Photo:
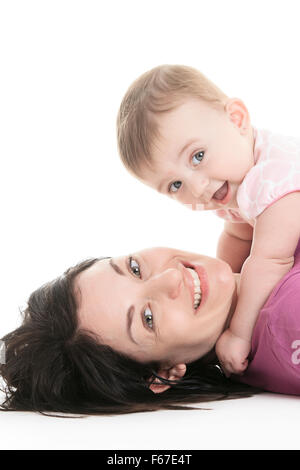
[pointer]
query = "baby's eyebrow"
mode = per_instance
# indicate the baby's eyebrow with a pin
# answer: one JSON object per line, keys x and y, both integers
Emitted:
{"x": 189, "y": 142}
{"x": 162, "y": 183}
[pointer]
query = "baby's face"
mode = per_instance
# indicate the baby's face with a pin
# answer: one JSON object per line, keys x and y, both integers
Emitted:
{"x": 203, "y": 155}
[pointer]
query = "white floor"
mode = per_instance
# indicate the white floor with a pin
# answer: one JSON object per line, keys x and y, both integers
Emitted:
{"x": 264, "y": 421}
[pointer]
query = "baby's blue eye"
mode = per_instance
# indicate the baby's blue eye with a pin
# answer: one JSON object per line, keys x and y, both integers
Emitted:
{"x": 174, "y": 186}
{"x": 198, "y": 157}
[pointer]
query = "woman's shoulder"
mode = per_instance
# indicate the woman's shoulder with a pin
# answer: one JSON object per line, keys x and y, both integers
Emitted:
{"x": 289, "y": 283}
{"x": 275, "y": 353}
{"x": 282, "y": 306}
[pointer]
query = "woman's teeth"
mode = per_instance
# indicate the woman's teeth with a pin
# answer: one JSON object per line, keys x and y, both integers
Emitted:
{"x": 197, "y": 289}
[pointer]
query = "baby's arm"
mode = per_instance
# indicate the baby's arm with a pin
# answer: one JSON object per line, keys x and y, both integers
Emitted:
{"x": 276, "y": 235}
{"x": 234, "y": 244}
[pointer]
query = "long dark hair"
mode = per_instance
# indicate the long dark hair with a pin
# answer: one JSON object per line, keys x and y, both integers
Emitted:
{"x": 53, "y": 366}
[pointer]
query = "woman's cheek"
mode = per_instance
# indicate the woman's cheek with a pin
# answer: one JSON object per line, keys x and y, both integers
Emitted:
{"x": 178, "y": 325}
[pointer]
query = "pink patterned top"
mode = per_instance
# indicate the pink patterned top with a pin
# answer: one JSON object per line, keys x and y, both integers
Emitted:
{"x": 276, "y": 173}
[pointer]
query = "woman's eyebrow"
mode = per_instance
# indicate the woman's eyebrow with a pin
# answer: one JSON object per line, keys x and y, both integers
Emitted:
{"x": 116, "y": 268}
{"x": 130, "y": 313}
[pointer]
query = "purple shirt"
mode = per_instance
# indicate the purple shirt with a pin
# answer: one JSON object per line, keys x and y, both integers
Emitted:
{"x": 274, "y": 361}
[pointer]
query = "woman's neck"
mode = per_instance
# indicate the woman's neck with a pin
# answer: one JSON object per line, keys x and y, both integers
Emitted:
{"x": 235, "y": 295}
{"x": 211, "y": 356}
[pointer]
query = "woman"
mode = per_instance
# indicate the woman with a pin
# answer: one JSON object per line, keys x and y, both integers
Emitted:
{"x": 127, "y": 334}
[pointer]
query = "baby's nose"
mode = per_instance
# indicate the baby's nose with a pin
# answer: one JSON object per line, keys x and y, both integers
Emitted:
{"x": 198, "y": 187}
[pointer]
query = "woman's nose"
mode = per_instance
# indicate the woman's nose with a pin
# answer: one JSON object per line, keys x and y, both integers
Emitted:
{"x": 169, "y": 281}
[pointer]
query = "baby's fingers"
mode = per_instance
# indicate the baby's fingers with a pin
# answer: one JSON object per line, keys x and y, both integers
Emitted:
{"x": 239, "y": 367}
{"x": 227, "y": 368}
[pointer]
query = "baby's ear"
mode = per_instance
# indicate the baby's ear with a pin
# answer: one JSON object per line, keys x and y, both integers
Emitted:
{"x": 238, "y": 113}
{"x": 173, "y": 373}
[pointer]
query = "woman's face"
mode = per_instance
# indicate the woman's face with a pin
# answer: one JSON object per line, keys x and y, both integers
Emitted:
{"x": 143, "y": 304}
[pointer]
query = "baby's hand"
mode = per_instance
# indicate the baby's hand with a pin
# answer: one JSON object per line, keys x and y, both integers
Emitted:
{"x": 232, "y": 352}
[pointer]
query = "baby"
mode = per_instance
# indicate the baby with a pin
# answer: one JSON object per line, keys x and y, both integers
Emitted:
{"x": 180, "y": 134}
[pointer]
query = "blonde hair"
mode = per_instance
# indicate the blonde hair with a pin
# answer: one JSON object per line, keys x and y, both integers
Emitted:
{"x": 157, "y": 91}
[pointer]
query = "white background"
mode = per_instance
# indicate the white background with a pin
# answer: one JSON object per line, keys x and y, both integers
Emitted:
{"x": 65, "y": 66}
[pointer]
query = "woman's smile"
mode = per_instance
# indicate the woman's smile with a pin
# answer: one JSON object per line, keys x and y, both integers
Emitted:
{"x": 193, "y": 282}
{"x": 202, "y": 280}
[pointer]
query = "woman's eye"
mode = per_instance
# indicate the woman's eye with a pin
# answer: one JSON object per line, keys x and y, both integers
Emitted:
{"x": 148, "y": 316}
{"x": 198, "y": 157}
{"x": 134, "y": 266}
{"x": 174, "y": 186}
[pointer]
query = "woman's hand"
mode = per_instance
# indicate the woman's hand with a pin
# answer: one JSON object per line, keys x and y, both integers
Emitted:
{"x": 232, "y": 352}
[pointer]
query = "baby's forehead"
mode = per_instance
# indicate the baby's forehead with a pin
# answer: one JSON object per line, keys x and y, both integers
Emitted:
{"x": 161, "y": 155}
{"x": 148, "y": 171}
{"x": 157, "y": 175}
{"x": 151, "y": 164}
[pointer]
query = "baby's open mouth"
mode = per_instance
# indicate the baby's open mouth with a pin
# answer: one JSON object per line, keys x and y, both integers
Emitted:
{"x": 222, "y": 192}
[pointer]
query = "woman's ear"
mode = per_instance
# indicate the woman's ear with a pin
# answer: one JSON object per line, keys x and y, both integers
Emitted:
{"x": 173, "y": 373}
